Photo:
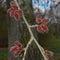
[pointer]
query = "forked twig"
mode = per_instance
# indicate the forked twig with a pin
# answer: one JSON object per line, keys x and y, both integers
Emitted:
{"x": 32, "y": 38}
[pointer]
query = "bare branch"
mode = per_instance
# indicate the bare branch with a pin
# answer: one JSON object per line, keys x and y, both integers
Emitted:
{"x": 32, "y": 26}
{"x": 32, "y": 38}
{"x": 28, "y": 44}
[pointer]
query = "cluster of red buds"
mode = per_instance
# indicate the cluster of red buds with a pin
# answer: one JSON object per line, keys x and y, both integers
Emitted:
{"x": 14, "y": 11}
{"x": 42, "y": 24}
{"x": 48, "y": 53}
{"x": 17, "y": 49}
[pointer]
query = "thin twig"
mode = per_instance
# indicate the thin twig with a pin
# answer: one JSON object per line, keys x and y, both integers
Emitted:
{"x": 28, "y": 44}
{"x": 32, "y": 38}
{"x": 32, "y": 26}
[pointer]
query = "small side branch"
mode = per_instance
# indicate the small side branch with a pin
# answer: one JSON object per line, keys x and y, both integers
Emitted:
{"x": 28, "y": 44}
{"x": 32, "y": 26}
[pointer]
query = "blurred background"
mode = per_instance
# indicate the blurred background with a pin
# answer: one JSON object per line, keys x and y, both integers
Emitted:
{"x": 3, "y": 31}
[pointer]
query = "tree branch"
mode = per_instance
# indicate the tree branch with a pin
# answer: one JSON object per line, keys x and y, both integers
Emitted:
{"x": 32, "y": 37}
{"x": 30, "y": 41}
{"x": 32, "y": 26}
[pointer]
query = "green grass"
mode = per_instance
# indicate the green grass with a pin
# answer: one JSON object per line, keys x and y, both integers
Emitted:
{"x": 54, "y": 43}
{"x": 50, "y": 41}
{"x": 3, "y": 54}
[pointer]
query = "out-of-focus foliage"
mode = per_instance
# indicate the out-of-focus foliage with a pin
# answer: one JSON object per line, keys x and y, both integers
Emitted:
{"x": 3, "y": 3}
{"x": 3, "y": 54}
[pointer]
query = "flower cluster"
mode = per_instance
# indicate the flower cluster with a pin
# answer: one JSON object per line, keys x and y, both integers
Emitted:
{"x": 14, "y": 11}
{"x": 17, "y": 49}
{"x": 42, "y": 24}
{"x": 48, "y": 53}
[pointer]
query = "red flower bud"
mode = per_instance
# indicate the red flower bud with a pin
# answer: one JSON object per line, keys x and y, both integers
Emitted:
{"x": 39, "y": 29}
{"x": 42, "y": 24}
{"x": 17, "y": 49}
{"x": 45, "y": 28}
{"x": 14, "y": 11}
